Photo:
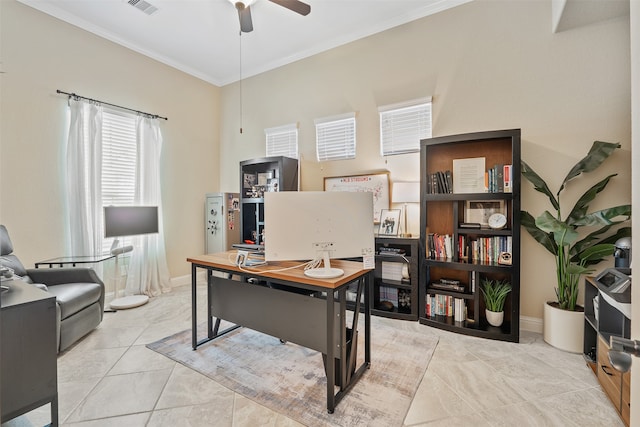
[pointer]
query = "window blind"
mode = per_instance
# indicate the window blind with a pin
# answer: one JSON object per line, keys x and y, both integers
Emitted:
{"x": 402, "y": 126}
{"x": 336, "y": 137}
{"x": 282, "y": 141}
{"x": 118, "y": 161}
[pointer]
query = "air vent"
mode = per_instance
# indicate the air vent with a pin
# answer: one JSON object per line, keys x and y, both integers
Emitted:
{"x": 144, "y": 6}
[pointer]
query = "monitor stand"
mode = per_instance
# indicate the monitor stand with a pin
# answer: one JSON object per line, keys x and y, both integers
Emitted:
{"x": 325, "y": 272}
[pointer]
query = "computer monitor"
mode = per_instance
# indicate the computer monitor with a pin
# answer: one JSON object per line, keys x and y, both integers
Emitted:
{"x": 122, "y": 221}
{"x": 312, "y": 225}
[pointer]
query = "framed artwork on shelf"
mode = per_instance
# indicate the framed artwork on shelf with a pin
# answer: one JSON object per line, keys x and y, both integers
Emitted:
{"x": 376, "y": 183}
{"x": 249, "y": 180}
{"x": 479, "y": 211}
{"x": 389, "y": 222}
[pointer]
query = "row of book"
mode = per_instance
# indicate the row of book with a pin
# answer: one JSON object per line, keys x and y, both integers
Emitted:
{"x": 446, "y": 305}
{"x": 440, "y": 182}
{"x": 499, "y": 179}
{"x": 484, "y": 249}
{"x": 439, "y": 246}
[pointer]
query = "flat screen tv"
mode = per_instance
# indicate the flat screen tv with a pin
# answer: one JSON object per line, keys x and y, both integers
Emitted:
{"x": 122, "y": 221}
{"x": 318, "y": 225}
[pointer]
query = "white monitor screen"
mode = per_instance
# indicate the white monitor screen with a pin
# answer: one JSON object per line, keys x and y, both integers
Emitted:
{"x": 300, "y": 225}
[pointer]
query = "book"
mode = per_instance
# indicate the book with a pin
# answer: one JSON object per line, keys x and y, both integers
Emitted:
{"x": 499, "y": 178}
{"x": 507, "y": 182}
{"x": 448, "y": 287}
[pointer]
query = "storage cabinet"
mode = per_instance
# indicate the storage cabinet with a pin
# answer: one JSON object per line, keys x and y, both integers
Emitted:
{"x": 463, "y": 181}
{"x": 396, "y": 278}
{"x": 601, "y": 321}
{"x": 29, "y": 366}
{"x": 258, "y": 176}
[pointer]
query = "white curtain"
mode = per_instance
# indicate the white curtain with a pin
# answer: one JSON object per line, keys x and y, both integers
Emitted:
{"x": 148, "y": 271}
{"x": 83, "y": 169}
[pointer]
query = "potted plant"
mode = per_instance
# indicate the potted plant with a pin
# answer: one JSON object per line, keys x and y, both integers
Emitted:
{"x": 495, "y": 293}
{"x": 574, "y": 252}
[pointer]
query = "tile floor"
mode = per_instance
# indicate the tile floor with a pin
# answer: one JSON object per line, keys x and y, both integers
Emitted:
{"x": 111, "y": 379}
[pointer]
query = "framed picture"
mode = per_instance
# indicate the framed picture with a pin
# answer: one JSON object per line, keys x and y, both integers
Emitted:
{"x": 377, "y": 183}
{"x": 389, "y": 222}
{"x": 479, "y": 211}
{"x": 248, "y": 180}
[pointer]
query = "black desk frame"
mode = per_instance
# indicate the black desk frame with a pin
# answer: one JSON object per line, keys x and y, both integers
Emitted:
{"x": 289, "y": 316}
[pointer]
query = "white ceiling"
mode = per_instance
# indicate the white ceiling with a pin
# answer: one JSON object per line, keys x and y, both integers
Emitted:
{"x": 201, "y": 37}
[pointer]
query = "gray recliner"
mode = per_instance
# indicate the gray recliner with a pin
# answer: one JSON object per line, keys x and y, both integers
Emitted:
{"x": 79, "y": 293}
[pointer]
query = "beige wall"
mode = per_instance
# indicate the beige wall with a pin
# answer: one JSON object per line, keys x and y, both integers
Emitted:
{"x": 635, "y": 131}
{"x": 488, "y": 65}
{"x": 41, "y": 54}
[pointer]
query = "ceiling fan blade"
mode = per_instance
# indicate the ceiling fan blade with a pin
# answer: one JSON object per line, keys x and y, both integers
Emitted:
{"x": 294, "y": 5}
{"x": 244, "y": 13}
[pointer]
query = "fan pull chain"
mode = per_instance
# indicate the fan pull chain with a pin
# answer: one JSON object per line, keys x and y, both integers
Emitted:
{"x": 240, "y": 81}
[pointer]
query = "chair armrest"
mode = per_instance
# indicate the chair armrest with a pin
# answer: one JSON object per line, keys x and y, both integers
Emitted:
{"x": 57, "y": 276}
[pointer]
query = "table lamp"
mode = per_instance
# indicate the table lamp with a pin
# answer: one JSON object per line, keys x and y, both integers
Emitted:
{"x": 406, "y": 192}
{"x": 121, "y": 221}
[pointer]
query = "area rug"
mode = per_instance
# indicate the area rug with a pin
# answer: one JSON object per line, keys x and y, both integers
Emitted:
{"x": 290, "y": 379}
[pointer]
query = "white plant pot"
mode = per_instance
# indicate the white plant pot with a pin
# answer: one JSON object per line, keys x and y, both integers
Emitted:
{"x": 495, "y": 318}
{"x": 564, "y": 329}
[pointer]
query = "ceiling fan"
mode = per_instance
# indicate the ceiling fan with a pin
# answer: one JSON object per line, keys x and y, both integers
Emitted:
{"x": 244, "y": 10}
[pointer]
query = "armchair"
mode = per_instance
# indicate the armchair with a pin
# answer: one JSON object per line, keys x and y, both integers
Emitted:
{"x": 79, "y": 293}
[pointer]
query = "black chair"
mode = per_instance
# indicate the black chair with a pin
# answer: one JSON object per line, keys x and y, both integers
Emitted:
{"x": 79, "y": 293}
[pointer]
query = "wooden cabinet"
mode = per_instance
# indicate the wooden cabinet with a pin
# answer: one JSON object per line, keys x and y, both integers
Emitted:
{"x": 258, "y": 176}
{"x": 453, "y": 199}
{"x": 29, "y": 351}
{"x": 396, "y": 278}
{"x": 601, "y": 321}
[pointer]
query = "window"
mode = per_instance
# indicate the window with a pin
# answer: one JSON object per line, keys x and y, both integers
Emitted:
{"x": 402, "y": 126}
{"x": 282, "y": 141}
{"x": 336, "y": 137}
{"x": 118, "y": 175}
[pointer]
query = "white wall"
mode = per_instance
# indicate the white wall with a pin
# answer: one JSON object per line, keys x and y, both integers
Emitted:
{"x": 41, "y": 54}
{"x": 488, "y": 65}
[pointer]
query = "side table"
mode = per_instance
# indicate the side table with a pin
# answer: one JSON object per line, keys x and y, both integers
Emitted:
{"x": 74, "y": 260}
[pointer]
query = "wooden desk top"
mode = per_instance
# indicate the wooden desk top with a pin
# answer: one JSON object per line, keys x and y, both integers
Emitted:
{"x": 274, "y": 270}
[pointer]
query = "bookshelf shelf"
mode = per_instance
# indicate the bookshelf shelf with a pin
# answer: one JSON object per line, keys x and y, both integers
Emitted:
{"x": 464, "y": 256}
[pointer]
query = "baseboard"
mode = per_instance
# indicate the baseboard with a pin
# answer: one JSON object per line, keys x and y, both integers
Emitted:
{"x": 531, "y": 324}
{"x": 185, "y": 280}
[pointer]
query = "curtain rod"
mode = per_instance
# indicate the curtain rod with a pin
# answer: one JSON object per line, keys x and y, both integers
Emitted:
{"x": 154, "y": 116}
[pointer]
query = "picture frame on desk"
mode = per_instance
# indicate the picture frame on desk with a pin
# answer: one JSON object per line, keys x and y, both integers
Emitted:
{"x": 479, "y": 211}
{"x": 389, "y": 222}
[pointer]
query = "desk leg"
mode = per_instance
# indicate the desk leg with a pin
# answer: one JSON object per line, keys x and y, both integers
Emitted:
{"x": 210, "y": 333}
{"x": 330, "y": 365}
{"x": 368, "y": 292}
{"x": 54, "y": 411}
{"x": 194, "y": 308}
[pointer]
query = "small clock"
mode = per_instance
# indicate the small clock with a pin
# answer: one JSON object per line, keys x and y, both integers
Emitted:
{"x": 497, "y": 221}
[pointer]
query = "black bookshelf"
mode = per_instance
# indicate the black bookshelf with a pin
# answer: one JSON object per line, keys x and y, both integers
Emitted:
{"x": 474, "y": 252}
{"x": 258, "y": 176}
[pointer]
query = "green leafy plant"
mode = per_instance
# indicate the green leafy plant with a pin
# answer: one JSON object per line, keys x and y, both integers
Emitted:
{"x": 495, "y": 293}
{"x": 559, "y": 234}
